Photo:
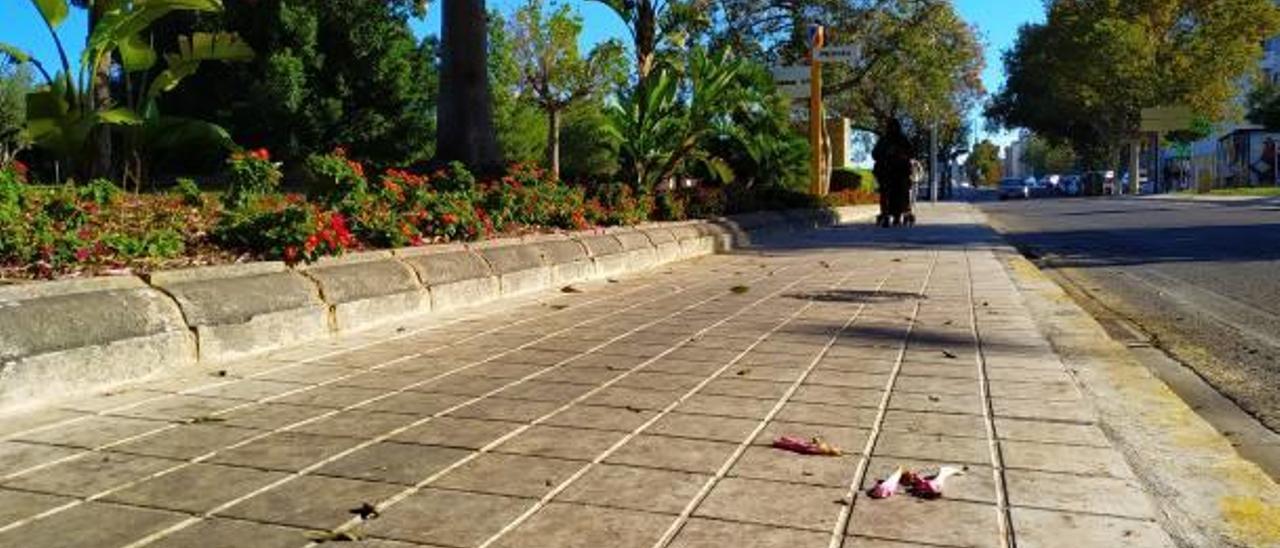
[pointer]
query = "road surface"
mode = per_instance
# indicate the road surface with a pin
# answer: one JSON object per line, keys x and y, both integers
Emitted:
{"x": 1201, "y": 277}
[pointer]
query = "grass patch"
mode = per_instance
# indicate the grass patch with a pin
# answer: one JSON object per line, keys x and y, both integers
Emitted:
{"x": 1261, "y": 191}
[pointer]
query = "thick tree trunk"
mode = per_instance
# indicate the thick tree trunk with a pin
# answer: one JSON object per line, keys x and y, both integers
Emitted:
{"x": 99, "y": 160}
{"x": 553, "y": 142}
{"x": 465, "y": 111}
{"x": 646, "y": 37}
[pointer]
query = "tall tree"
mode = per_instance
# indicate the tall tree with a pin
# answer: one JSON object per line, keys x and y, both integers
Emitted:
{"x": 1085, "y": 74}
{"x": 553, "y": 74}
{"x": 330, "y": 73}
{"x": 983, "y": 165}
{"x": 465, "y": 113}
{"x": 1047, "y": 157}
{"x": 15, "y": 82}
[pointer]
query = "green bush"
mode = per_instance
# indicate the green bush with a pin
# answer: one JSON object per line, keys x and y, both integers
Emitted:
{"x": 99, "y": 191}
{"x": 250, "y": 174}
{"x": 188, "y": 192}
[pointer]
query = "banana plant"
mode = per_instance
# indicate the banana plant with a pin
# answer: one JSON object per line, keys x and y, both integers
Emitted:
{"x": 62, "y": 115}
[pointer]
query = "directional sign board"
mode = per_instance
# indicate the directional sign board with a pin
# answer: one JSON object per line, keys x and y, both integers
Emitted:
{"x": 792, "y": 81}
{"x": 848, "y": 55}
{"x": 1166, "y": 119}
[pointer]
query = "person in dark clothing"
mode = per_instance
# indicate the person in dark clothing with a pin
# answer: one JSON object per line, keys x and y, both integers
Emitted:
{"x": 892, "y": 155}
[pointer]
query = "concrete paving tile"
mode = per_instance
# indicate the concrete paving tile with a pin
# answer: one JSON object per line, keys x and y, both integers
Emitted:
{"x": 95, "y": 403}
{"x": 285, "y": 451}
{"x": 672, "y": 363}
{"x": 196, "y": 488}
{"x": 391, "y": 462}
{"x": 90, "y": 474}
{"x": 16, "y": 456}
{"x": 936, "y": 403}
{"x": 1092, "y": 461}
{"x": 650, "y": 380}
{"x": 92, "y": 432}
{"x": 269, "y": 416}
{"x": 563, "y": 525}
{"x": 234, "y": 533}
{"x": 772, "y": 503}
{"x": 1117, "y": 497}
{"x": 705, "y": 427}
{"x": 1028, "y": 375}
{"x": 744, "y": 388}
{"x": 313, "y": 502}
{"x": 976, "y": 484}
{"x": 726, "y": 406}
{"x": 970, "y": 426}
{"x": 249, "y": 389}
{"x": 936, "y": 385}
{"x": 464, "y": 384}
{"x": 332, "y": 396}
{"x": 1046, "y": 529}
{"x": 1040, "y": 391}
{"x": 17, "y": 505}
{"x": 764, "y": 373}
{"x": 447, "y": 518}
{"x": 416, "y": 404}
{"x": 180, "y": 408}
{"x": 187, "y": 441}
{"x": 852, "y": 379}
{"x": 673, "y": 454}
{"x": 1051, "y": 432}
{"x": 589, "y": 376}
{"x": 356, "y": 423}
{"x": 91, "y": 524}
{"x": 706, "y": 533}
{"x": 512, "y": 475}
{"x": 645, "y": 489}
{"x": 553, "y": 392}
{"x": 839, "y": 395}
{"x": 957, "y": 372}
{"x": 933, "y": 447}
{"x": 456, "y": 432}
{"x": 1043, "y": 410}
{"x": 494, "y": 408}
{"x": 767, "y": 463}
{"x": 940, "y": 522}
{"x": 636, "y": 398}
{"x": 601, "y": 418}
{"x": 560, "y": 442}
{"x": 834, "y": 415}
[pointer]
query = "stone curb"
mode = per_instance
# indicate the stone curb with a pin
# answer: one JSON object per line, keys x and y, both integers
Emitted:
{"x": 59, "y": 339}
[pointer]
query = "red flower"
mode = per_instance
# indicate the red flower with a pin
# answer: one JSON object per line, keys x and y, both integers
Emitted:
{"x": 21, "y": 169}
{"x": 291, "y": 254}
{"x": 82, "y": 254}
{"x": 449, "y": 218}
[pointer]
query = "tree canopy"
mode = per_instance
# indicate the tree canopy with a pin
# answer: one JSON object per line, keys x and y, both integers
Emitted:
{"x": 1084, "y": 75}
{"x": 983, "y": 165}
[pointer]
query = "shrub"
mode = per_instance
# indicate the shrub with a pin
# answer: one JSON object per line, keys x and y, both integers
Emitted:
{"x": 14, "y": 172}
{"x": 188, "y": 192}
{"x": 621, "y": 205}
{"x": 852, "y": 197}
{"x": 279, "y": 227}
{"x": 673, "y": 205}
{"x": 250, "y": 174}
{"x": 99, "y": 192}
{"x": 334, "y": 177}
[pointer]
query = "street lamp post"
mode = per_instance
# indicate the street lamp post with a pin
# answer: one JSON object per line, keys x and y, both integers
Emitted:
{"x": 933, "y": 162}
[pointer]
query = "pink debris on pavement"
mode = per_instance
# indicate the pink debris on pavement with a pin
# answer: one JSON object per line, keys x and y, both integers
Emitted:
{"x": 814, "y": 446}
{"x": 889, "y": 486}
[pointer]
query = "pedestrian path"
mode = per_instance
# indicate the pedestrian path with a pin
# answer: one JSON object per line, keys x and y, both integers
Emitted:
{"x": 636, "y": 413}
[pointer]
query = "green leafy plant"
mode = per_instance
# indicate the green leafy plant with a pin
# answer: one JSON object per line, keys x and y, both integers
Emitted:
{"x": 188, "y": 192}
{"x": 250, "y": 175}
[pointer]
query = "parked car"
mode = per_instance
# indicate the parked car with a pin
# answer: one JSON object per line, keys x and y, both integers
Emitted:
{"x": 1070, "y": 185}
{"x": 1014, "y": 189}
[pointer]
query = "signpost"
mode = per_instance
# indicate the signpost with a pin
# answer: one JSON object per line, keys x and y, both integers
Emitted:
{"x": 816, "y": 38}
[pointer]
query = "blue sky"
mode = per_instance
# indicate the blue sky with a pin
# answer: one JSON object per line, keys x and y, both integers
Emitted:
{"x": 997, "y": 21}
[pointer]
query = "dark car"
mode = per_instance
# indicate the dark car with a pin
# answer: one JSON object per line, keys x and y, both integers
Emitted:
{"x": 1014, "y": 189}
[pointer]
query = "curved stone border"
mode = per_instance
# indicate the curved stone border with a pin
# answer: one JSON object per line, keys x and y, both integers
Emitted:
{"x": 62, "y": 338}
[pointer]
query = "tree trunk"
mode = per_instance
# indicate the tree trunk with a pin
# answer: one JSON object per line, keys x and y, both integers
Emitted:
{"x": 646, "y": 37}
{"x": 100, "y": 160}
{"x": 465, "y": 112}
{"x": 553, "y": 142}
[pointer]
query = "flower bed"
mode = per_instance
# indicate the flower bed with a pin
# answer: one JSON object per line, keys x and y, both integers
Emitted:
{"x": 48, "y": 232}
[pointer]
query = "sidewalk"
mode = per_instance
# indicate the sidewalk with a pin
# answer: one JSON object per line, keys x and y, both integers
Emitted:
{"x": 630, "y": 414}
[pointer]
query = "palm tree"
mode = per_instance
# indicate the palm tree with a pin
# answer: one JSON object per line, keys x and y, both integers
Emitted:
{"x": 465, "y": 112}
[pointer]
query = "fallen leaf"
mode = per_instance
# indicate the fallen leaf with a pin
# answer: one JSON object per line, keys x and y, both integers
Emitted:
{"x": 366, "y": 511}
{"x": 934, "y": 398}
{"x": 219, "y": 373}
{"x": 633, "y": 409}
{"x": 559, "y": 306}
{"x": 814, "y": 446}
{"x": 205, "y": 419}
{"x": 401, "y": 329}
{"x": 611, "y": 280}
{"x": 739, "y": 289}
{"x": 743, "y": 372}
{"x": 824, "y": 264}
{"x": 948, "y": 354}
{"x": 570, "y": 289}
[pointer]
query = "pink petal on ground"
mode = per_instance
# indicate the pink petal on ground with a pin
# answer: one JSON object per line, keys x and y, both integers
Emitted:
{"x": 931, "y": 487}
{"x": 887, "y": 487}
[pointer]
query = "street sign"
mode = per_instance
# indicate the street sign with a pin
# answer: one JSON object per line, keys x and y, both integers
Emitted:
{"x": 793, "y": 81}
{"x": 849, "y": 54}
{"x": 1166, "y": 119}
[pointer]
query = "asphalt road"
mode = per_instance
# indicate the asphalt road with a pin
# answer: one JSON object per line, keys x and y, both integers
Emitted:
{"x": 1202, "y": 278}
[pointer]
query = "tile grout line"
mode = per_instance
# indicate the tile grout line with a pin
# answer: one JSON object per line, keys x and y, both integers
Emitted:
{"x": 292, "y": 364}
{"x": 844, "y": 517}
{"x": 366, "y": 443}
{"x": 687, "y": 512}
{"x": 201, "y": 458}
{"x": 1003, "y": 516}
{"x": 170, "y": 425}
{"x": 583, "y": 397}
